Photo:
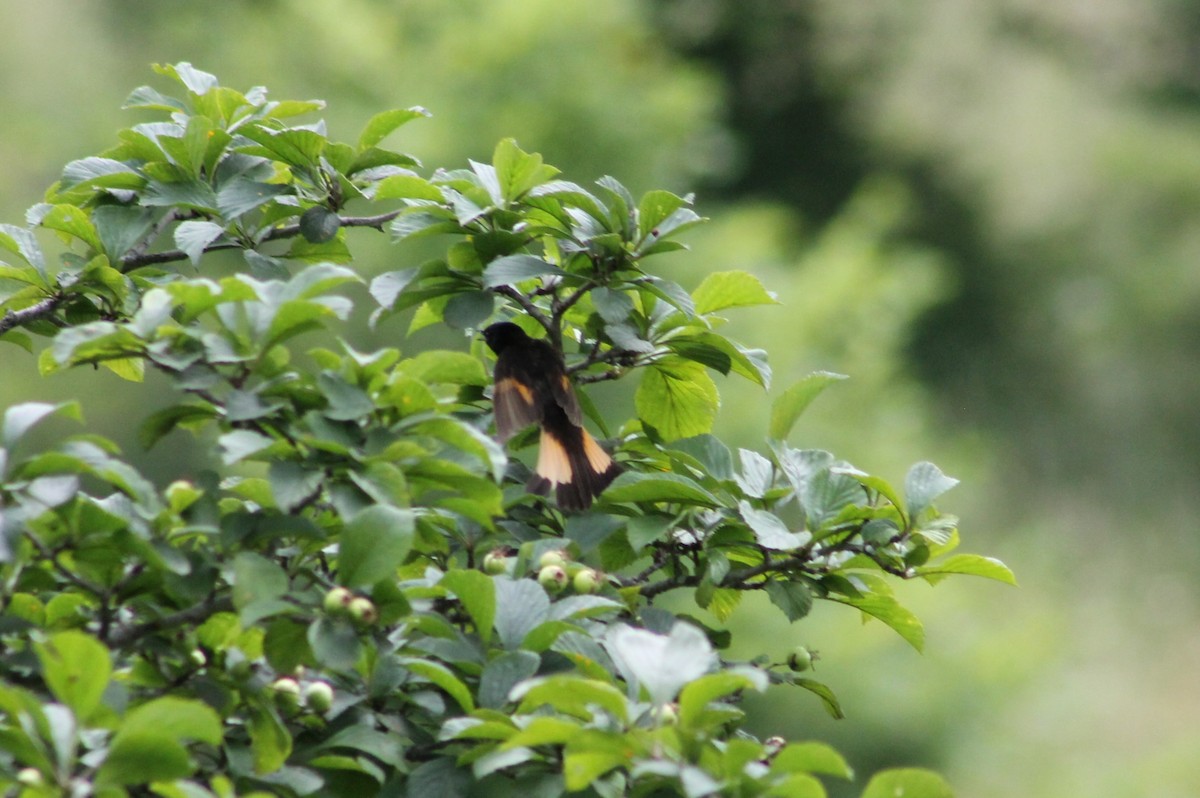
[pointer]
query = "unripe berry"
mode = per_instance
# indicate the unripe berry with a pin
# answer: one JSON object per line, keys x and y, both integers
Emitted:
{"x": 800, "y": 660}
{"x": 337, "y": 600}
{"x": 586, "y": 581}
{"x": 495, "y": 562}
{"x": 318, "y": 697}
{"x": 363, "y": 611}
{"x": 553, "y": 557}
{"x": 287, "y": 693}
{"x": 31, "y": 777}
{"x": 553, "y": 578}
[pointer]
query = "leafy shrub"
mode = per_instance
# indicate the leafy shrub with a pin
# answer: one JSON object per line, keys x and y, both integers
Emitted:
{"x": 347, "y": 603}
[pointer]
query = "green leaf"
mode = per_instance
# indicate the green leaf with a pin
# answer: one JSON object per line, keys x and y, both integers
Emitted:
{"x": 878, "y": 601}
{"x": 383, "y": 123}
{"x": 318, "y": 224}
{"x": 240, "y": 196}
{"x": 732, "y": 289}
{"x": 924, "y": 483}
{"x": 19, "y": 419}
{"x": 503, "y": 673}
{"x": 193, "y": 236}
{"x": 832, "y": 706}
{"x": 662, "y": 664}
{"x": 439, "y": 365}
{"x": 518, "y": 171}
{"x": 971, "y": 564}
{"x": 292, "y": 484}
{"x": 468, "y": 309}
{"x": 270, "y": 742}
{"x": 408, "y": 187}
{"x": 374, "y": 544}
{"x": 334, "y": 643}
{"x": 74, "y": 222}
{"x": 240, "y": 444}
{"x": 787, "y": 408}
{"x": 713, "y": 455}
{"x": 22, "y": 242}
{"x": 572, "y": 695}
{"x": 909, "y": 783}
{"x": 477, "y": 592}
{"x": 521, "y": 605}
{"x": 76, "y": 668}
{"x": 811, "y": 757}
{"x": 695, "y": 697}
{"x": 794, "y": 598}
{"x": 441, "y": 676}
{"x": 256, "y": 581}
{"x": 634, "y": 486}
{"x": 678, "y": 398}
{"x": 150, "y": 742}
{"x": 346, "y": 402}
{"x": 512, "y": 269}
{"x": 770, "y": 530}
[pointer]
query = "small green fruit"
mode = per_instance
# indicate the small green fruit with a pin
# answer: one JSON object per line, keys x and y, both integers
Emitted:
{"x": 587, "y": 581}
{"x": 801, "y": 659}
{"x": 198, "y": 658}
{"x": 337, "y": 601}
{"x": 287, "y": 693}
{"x": 363, "y": 611}
{"x": 318, "y": 697}
{"x": 553, "y": 578}
{"x": 30, "y": 777}
{"x": 495, "y": 562}
{"x": 668, "y": 714}
{"x": 557, "y": 557}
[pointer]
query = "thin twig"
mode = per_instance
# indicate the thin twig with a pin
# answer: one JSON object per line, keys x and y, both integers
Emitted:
{"x": 131, "y": 634}
{"x": 38, "y": 310}
{"x": 135, "y": 259}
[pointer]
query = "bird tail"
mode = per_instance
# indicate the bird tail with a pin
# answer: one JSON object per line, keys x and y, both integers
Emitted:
{"x": 572, "y": 463}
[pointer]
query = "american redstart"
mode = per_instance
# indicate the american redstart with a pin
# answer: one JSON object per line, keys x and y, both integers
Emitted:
{"x": 532, "y": 387}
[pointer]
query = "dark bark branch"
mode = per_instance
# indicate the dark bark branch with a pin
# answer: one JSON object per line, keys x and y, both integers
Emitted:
{"x": 131, "y": 634}
{"x": 38, "y": 310}
{"x": 136, "y": 259}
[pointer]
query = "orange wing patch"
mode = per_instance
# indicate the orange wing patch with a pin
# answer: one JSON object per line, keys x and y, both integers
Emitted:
{"x": 553, "y": 463}
{"x": 597, "y": 458}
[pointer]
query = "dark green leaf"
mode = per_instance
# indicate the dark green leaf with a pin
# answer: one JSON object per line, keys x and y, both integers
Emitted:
{"x": 811, "y": 757}
{"x": 318, "y": 224}
{"x": 512, "y": 269}
{"x": 710, "y": 452}
{"x": 374, "y": 544}
{"x": 270, "y": 742}
{"x": 240, "y": 196}
{"x": 794, "y": 598}
{"x": 334, "y": 643}
{"x": 503, "y": 673}
{"x": 468, "y": 309}
{"x": 521, "y": 605}
{"x": 292, "y": 484}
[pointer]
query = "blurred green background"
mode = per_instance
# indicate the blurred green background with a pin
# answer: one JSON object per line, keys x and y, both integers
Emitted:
{"x": 984, "y": 213}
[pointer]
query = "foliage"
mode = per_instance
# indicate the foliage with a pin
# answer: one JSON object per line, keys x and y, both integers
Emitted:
{"x": 348, "y": 605}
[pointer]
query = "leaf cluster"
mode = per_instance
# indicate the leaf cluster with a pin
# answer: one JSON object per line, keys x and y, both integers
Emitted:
{"x": 347, "y": 603}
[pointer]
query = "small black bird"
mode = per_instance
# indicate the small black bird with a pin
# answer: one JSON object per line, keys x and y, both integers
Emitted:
{"x": 532, "y": 387}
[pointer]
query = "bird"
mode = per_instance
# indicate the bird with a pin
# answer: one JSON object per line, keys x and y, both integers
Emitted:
{"x": 531, "y": 386}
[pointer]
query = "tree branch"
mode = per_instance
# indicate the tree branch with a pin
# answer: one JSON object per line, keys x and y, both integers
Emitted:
{"x": 38, "y": 310}
{"x": 136, "y": 259}
{"x": 131, "y": 634}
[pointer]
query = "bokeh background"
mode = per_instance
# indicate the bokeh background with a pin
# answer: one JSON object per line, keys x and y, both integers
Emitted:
{"x": 986, "y": 213}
